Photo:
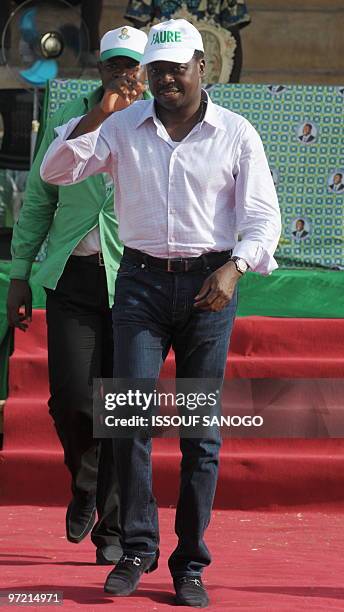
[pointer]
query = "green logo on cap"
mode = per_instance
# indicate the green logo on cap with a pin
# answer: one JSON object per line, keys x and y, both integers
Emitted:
{"x": 166, "y": 37}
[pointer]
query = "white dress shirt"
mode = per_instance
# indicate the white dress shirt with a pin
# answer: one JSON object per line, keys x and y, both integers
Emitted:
{"x": 337, "y": 187}
{"x": 212, "y": 191}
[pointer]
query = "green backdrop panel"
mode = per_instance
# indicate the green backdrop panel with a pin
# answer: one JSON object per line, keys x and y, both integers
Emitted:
{"x": 302, "y": 131}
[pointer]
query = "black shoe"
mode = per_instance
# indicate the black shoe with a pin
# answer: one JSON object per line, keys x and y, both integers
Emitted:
{"x": 108, "y": 555}
{"x": 190, "y": 591}
{"x": 125, "y": 577}
{"x": 80, "y": 517}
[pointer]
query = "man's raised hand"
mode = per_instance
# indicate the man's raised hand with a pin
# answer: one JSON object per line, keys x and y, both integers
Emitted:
{"x": 123, "y": 90}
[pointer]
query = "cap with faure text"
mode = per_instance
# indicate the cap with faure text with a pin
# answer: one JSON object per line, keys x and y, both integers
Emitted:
{"x": 175, "y": 40}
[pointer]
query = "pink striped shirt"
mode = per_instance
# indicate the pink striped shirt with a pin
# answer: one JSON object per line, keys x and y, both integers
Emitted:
{"x": 212, "y": 191}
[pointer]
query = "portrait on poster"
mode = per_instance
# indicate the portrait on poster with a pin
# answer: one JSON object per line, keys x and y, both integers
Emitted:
{"x": 336, "y": 181}
{"x": 276, "y": 90}
{"x": 307, "y": 132}
{"x": 300, "y": 229}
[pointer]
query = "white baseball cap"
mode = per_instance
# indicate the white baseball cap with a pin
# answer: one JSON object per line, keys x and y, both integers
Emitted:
{"x": 126, "y": 41}
{"x": 175, "y": 40}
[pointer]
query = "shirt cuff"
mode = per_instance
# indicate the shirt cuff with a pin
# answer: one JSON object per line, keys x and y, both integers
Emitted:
{"x": 256, "y": 256}
{"x": 20, "y": 269}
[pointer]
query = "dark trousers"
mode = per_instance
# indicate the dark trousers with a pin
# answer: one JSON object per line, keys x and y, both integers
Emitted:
{"x": 153, "y": 311}
{"x": 80, "y": 348}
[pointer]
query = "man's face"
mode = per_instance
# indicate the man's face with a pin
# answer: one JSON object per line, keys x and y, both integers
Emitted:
{"x": 307, "y": 129}
{"x": 173, "y": 85}
{"x": 299, "y": 225}
{"x": 115, "y": 67}
{"x": 337, "y": 179}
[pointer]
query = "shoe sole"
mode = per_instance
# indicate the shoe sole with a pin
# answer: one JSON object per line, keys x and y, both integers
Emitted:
{"x": 78, "y": 539}
{"x": 181, "y": 602}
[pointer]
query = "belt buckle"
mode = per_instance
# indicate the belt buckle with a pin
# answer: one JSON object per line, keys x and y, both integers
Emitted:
{"x": 182, "y": 265}
{"x": 100, "y": 259}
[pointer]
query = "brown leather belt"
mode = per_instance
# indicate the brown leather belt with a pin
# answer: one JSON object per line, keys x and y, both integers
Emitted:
{"x": 178, "y": 264}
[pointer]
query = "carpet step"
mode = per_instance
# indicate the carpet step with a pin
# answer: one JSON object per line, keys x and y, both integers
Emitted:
{"x": 36, "y": 335}
{"x": 261, "y": 347}
{"x": 262, "y": 336}
{"x": 254, "y": 473}
{"x": 29, "y": 373}
{"x": 289, "y": 408}
{"x": 27, "y": 425}
{"x": 257, "y": 476}
{"x": 286, "y": 366}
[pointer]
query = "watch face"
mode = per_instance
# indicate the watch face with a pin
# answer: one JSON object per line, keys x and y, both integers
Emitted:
{"x": 241, "y": 265}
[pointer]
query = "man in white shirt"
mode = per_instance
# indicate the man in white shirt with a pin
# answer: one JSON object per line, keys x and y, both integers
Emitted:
{"x": 191, "y": 177}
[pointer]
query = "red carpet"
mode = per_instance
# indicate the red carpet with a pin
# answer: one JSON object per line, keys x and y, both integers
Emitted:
{"x": 274, "y": 562}
{"x": 261, "y": 347}
{"x": 254, "y": 473}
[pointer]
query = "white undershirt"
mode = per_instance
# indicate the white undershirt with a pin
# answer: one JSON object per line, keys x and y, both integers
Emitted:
{"x": 90, "y": 244}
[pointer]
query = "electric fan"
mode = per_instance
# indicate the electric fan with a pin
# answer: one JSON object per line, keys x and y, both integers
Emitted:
{"x": 48, "y": 39}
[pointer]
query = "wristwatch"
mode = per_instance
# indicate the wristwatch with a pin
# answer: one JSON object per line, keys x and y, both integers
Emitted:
{"x": 240, "y": 264}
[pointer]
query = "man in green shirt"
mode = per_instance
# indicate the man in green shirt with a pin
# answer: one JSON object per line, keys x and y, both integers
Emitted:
{"x": 79, "y": 272}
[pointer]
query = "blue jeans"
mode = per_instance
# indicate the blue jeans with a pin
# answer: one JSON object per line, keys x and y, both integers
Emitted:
{"x": 153, "y": 311}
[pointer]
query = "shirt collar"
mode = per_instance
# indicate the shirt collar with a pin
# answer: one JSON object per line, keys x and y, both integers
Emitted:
{"x": 211, "y": 115}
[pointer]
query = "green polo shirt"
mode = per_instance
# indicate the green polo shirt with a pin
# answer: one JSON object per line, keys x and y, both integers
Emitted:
{"x": 65, "y": 214}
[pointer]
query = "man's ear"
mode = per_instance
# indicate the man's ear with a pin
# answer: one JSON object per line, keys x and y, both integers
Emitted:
{"x": 202, "y": 68}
